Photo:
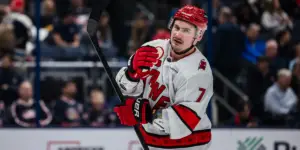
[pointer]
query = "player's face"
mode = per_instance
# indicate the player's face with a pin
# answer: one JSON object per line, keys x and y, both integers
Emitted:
{"x": 182, "y": 35}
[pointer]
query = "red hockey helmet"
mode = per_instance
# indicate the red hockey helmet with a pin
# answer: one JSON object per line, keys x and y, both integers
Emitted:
{"x": 191, "y": 14}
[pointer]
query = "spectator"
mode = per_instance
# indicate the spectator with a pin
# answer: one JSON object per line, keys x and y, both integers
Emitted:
{"x": 4, "y": 10}
{"x": 97, "y": 114}
{"x": 227, "y": 53}
{"x": 47, "y": 15}
{"x": 7, "y": 39}
{"x": 228, "y": 45}
{"x": 280, "y": 99}
{"x": 9, "y": 80}
{"x": 66, "y": 32}
{"x": 285, "y": 50}
{"x": 65, "y": 36}
{"x": 67, "y": 111}
{"x": 274, "y": 18}
{"x": 23, "y": 110}
{"x": 139, "y": 32}
{"x": 79, "y": 7}
{"x": 271, "y": 49}
{"x": 259, "y": 78}
{"x": 249, "y": 11}
{"x": 21, "y": 22}
{"x": 216, "y": 6}
{"x": 254, "y": 47}
{"x": 105, "y": 39}
{"x": 276, "y": 62}
{"x": 244, "y": 118}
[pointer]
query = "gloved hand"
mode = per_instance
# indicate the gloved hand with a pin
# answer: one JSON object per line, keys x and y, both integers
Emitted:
{"x": 141, "y": 62}
{"x": 134, "y": 111}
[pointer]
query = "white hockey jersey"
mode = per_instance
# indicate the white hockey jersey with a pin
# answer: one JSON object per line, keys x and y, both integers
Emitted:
{"x": 182, "y": 89}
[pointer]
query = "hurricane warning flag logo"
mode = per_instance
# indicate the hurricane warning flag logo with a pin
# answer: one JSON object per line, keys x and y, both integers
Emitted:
{"x": 251, "y": 143}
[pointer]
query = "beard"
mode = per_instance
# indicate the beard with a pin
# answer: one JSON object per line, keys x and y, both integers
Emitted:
{"x": 176, "y": 48}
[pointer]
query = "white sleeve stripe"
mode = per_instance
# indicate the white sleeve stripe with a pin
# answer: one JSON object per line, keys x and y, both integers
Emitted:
{"x": 48, "y": 114}
{"x": 16, "y": 119}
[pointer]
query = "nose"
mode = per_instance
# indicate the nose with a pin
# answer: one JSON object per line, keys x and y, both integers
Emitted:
{"x": 177, "y": 34}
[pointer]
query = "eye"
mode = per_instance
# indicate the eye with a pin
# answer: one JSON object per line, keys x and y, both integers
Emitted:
{"x": 186, "y": 30}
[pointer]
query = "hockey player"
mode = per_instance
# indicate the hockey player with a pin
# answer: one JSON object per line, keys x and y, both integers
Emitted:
{"x": 169, "y": 84}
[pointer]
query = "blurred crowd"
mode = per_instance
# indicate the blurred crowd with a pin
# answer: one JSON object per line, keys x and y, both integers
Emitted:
{"x": 256, "y": 45}
{"x": 63, "y": 37}
{"x": 18, "y": 107}
{"x": 63, "y": 26}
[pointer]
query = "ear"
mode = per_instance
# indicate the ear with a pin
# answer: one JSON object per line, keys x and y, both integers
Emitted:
{"x": 199, "y": 35}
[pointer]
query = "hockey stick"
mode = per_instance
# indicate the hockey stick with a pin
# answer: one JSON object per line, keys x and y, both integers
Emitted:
{"x": 91, "y": 29}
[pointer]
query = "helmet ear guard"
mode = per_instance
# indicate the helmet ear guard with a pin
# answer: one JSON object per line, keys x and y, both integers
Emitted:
{"x": 200, "y": 32}
{"x": 171, "y": 22}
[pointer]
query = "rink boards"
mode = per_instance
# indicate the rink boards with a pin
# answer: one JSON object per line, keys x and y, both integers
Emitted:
{"x": 125, "y": 139}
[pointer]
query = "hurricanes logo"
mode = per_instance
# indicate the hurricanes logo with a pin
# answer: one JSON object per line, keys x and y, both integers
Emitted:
{"x": 202, "y": 64}
{"x": 251, "y": 143}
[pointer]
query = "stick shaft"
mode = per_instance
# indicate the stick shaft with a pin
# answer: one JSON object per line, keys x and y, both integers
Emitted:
{"x": 91, "y": 30}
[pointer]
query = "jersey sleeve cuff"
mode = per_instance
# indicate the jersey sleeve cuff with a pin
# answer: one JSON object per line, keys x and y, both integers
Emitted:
{"x": 131, "y": 76}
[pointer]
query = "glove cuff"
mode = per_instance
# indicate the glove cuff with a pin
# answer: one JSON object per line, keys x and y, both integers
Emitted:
{"x": 132, "y": 76}
{"x": 142, "y": 111}
{"x": 130, "y": 73}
